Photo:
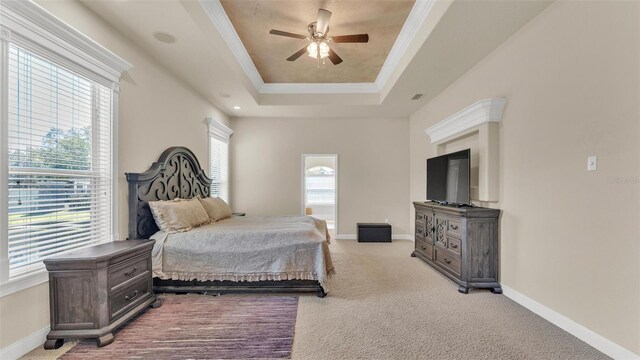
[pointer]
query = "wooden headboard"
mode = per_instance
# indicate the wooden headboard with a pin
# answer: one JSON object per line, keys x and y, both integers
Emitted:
{"x": 176, "y": 174}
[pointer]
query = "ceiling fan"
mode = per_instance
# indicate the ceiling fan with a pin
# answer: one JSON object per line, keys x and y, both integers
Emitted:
{"x": 318, "y": 35}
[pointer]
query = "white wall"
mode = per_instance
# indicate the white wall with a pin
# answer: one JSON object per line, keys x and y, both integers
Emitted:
{"x": 373, "y": 167}
{"x": 156, "y": 111}
{"x": 569, "y": 238}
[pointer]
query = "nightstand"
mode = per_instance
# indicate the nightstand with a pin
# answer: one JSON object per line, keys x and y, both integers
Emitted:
{"x": 95, "y": 290}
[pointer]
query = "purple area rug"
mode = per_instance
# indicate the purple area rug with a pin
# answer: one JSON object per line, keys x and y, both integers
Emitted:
{"x": 203, "y": 327}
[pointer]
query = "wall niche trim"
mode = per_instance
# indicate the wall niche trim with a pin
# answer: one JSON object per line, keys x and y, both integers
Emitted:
{"x": 482, "y": 118}
{"x": 465, "y": 120}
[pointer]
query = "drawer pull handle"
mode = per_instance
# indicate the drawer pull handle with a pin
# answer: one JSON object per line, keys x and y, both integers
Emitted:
{"x": 454, "y": 246}
{"x": 423, "y": 248}
{"x": 130, "y": 273}
{"x": 454, "y": 227}
{"x": 447, "y": 261}
{"x": 129, "y": 298}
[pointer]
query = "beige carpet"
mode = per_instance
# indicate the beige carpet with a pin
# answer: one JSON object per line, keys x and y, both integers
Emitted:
{"x": 384, "y": 304}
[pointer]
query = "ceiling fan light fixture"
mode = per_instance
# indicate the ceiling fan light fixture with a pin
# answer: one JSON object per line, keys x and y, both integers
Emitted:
{"x": 319, "y": 48}
{"x": 313, "y": 48}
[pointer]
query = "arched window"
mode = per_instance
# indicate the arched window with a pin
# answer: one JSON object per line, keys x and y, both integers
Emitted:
{"x": 320, "y": 170}
{"x": 320, "y": 185}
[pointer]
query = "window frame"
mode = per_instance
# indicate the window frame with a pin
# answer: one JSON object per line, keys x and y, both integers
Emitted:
{"x": 220, "y": 132}
{"x": 30, "y": 26}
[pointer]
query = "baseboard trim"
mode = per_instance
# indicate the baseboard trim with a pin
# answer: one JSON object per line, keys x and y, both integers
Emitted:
{"x": 592, "y": 338}
{"x": 24, "y": 345}
{"x": 355, "y": 237}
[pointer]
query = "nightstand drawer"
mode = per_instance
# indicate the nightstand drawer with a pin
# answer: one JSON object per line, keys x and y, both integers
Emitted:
{"x": 120, "y": 273}
{"x": 124, "y": 299}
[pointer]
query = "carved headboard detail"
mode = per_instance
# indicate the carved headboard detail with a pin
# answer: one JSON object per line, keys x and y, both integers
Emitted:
{"x": 176, "y": 174}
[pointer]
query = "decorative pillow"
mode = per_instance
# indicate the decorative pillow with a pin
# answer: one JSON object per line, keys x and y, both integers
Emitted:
{"x": 179, "y": 214}
{"x": 217, "y": 208}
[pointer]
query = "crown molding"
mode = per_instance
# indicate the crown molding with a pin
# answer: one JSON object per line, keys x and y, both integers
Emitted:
{"x": 416, "y": 18}
{"x": 483, "y": 111}
{"x": 28, "y": 20}
{"x": 218, "y": 16}
{"x": 318, "y": 88}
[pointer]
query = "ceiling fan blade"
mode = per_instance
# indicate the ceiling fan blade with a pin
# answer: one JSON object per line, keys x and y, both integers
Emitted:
{"x": 297, "y": 55}
{"x": 287, "y": 34}
{"x": 356, "y": 38}
{"x": 335, "y": 59}
{"x": 322, "y": 24}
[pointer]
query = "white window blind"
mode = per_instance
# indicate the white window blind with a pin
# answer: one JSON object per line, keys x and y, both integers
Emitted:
{"x": 219, "y": 170}
{"x": 60, "y": 158}
{"x": 219, "y": 136}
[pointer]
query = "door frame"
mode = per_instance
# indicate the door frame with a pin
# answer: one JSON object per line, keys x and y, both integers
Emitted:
{"x": 303, "y": 186}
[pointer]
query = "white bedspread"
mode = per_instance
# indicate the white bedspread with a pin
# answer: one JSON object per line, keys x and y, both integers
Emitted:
{"x": 246, "y": 249}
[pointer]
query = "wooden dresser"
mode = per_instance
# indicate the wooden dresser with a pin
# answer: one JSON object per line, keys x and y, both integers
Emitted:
{"x": 460, "y": 242}
{"x": 95, "y": 290}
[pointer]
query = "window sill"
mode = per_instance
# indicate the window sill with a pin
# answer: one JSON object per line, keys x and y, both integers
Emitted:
{"x": 24, "y": 282}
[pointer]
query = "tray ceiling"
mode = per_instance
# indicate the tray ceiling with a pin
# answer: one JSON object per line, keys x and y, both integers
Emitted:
{"x": 382, "y": 20}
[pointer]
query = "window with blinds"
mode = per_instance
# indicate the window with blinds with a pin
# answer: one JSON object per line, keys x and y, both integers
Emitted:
{"x": 59, "y": 149}
{"x": 219, "y": 167}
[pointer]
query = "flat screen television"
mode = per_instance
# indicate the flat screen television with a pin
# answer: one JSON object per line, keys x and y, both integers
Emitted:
{"x": 448, "y": 178}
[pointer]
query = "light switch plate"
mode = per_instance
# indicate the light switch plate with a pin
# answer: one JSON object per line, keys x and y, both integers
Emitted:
{"x": 592, "y": 163}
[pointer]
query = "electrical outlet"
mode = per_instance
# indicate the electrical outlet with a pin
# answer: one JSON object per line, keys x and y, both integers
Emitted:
{"x": 386, "y": 221}
{"x": 592, "y": 163}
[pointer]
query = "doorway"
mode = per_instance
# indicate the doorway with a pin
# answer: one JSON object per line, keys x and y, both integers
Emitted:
{"x": 320, "y": 188}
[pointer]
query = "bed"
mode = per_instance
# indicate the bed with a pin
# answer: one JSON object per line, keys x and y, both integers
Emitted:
{"x": 238, "y": 254}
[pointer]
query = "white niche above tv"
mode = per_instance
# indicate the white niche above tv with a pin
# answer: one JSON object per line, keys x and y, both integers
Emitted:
{"x": 476, "y": 126}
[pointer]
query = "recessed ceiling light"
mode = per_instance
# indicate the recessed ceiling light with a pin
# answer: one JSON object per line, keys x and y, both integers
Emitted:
{"x": 164, "y": 37}
{"x": 237, "y": 107}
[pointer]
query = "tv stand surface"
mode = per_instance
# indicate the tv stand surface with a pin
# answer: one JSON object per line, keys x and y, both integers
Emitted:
{"x": 444, "y": 203}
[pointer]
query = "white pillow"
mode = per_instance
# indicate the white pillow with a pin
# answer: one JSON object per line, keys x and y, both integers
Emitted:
{"x": 178, "y": 215}
{"x": 217, "y": 208}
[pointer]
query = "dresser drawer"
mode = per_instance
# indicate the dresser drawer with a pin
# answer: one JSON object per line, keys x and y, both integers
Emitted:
{"x": 120, "y": 273}
{"x": 449, "y": 261}
{"x": 453, "y": 227}
{"x": 124, "y": 299}
{"x": 454, "y": 244}
{"x": 425, "y": 249}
